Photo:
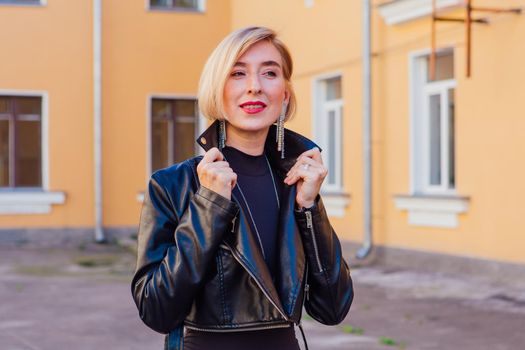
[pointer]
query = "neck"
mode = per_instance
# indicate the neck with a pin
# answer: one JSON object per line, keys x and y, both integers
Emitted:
{"x": 249, "y": 142}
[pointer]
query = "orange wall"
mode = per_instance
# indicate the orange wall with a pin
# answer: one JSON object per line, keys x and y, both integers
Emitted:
{"x": 146, "y": 52}
{"x": 48, "y": 48}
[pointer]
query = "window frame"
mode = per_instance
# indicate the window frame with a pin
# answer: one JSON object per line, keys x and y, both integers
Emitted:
{"x": 44, "y": 132}
{"x": 201, "y": 8}
{"x": 28, "y": 3}
{"x": 200, "y": 127}
{"x": 420, "y": 92}
{"x": 321, "y": 108}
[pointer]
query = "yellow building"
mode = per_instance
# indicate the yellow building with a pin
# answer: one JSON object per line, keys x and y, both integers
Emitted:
{"x": 446, "y": 152}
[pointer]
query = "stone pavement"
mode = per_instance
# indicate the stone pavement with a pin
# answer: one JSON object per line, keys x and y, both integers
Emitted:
{"x": 78, "y": 297}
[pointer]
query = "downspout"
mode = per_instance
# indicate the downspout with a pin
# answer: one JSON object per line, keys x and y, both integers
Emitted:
{"x": 366, "y": 248}
{"x": 97, "y": 116}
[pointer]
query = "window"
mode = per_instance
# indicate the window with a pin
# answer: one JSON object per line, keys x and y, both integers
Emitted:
{"x": 21, "y": 2}
{"x": 174, "y": 127}
{"x": 328, "y": 125}
{"x": 177, "y": 5}
{"x": 433, "y": 122}
{"x": 20, "y": 141}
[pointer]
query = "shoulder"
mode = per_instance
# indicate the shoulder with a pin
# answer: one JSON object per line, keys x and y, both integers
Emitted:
{"x": 178, "y": 181}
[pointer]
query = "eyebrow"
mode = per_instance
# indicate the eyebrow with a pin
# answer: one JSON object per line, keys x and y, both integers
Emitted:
{"x": 264, "y": 64}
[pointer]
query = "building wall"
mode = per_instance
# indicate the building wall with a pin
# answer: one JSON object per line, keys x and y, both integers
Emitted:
{"x": 146, "y": 53}
{"x": 49, "y": 49}
{"x": 149, "y": 53}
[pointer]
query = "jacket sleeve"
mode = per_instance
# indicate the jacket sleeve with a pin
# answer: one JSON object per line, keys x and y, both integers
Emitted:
{"x": 329, "y": 290}
{"x": 174, "y": 252}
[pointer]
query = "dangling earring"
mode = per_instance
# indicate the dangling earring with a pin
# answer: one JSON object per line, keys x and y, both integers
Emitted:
{"x": 280, "y": 131}
{"x": 222, "y": 134}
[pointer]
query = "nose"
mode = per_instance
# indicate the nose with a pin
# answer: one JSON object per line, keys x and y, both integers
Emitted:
{"x": 254, "y": 85}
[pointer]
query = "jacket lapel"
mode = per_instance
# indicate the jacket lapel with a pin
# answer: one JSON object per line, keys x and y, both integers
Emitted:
{"x": 291, "y": 252}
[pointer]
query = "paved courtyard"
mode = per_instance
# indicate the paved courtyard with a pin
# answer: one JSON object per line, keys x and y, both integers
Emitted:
{"x": 78, "y": 297}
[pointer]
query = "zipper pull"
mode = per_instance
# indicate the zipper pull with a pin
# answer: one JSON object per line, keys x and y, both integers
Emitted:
{"x": 308, "y": 219}
{"x": 233, "y": 224}
{"x": 307, "y": 291}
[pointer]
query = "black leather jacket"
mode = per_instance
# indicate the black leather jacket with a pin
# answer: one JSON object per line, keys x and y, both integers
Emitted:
{"x": 199, "y": 264}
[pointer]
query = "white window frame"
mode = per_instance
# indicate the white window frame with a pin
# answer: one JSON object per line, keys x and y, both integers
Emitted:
{"x": 28, "y": 4}
{"x": 32, "y": 200}
{"x": 401, "y": 11}
{"x": 428, "y": 206}
{"x": 420, "y": 128}
{"x": 320, "y": 109}
{"x": 201, "y": 121}
{"x": 201, "y": 7}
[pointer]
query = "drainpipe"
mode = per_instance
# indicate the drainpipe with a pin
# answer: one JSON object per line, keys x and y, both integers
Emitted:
{"x": 366, "y": 248}
{"x": 97, "y": 111}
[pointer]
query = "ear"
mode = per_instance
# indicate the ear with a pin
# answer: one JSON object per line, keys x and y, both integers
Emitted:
{"x": 286, "y": 97}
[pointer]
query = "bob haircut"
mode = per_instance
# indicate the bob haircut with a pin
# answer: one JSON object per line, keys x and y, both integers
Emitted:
{"x": 220, "y": 63}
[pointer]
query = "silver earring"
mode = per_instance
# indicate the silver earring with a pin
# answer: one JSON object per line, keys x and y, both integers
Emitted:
{"x": 222, "y": 134}
{"x": 280, "y": 131}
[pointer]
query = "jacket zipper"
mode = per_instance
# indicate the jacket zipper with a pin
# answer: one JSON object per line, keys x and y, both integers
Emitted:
{"x": 258, "y": 328}
{"x": 234, "y": 253}
{"x": 309, "y": 224}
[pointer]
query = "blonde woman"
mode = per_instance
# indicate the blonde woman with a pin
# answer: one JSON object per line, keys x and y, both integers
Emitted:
{"x": 232, "y": 244}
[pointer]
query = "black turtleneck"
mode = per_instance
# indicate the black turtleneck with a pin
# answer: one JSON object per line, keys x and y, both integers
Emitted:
{"x": 254, "y": 181}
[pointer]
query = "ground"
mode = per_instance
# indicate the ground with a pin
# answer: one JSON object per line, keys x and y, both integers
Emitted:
{"x": 78, "y": 297}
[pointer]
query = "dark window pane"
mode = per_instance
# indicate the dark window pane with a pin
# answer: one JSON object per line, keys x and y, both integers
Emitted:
{"x": 444, "y": 66}
{"x": 159, "y": 144}
{"x": 435, "y": 140}
{"x": 451, "y": 140}
{"x": 20, "y": 2}
{"x": 4, "y": 105}
{"x": 4, "y": 153}
{"x": 184, "y": 139}
{"x": 185, "y": 108}
{"x": 162, "y": 109}
{"x": 187, "y": 4}
{"x": 333, "y": 89}
{"x": 28, "y": 154}
{"x": 28, "y": 105}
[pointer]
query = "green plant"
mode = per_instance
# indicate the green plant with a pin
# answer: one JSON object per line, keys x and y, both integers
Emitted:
{"x": 387, "y": 341}
{"x": 352, "y": 330}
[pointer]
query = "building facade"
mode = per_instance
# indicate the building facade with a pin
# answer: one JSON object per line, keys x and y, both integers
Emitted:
{"x": 446, "y": 151}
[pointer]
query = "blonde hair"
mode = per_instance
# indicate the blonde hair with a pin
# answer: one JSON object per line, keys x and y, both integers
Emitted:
{"x": 218, "y": 66}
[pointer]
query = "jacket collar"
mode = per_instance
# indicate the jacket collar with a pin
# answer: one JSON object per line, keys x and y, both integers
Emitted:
{"x": 294, "y": 145}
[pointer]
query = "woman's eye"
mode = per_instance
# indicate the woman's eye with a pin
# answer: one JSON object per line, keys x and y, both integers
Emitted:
{"x": 270, "y": 73}
{"x": 237, "y": 74}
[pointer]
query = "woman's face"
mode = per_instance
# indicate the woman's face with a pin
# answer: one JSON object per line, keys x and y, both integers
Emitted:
{"x": 255, "y": 90}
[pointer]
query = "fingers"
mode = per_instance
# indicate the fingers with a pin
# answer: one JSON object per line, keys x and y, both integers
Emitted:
{"x": 216, "y": 174}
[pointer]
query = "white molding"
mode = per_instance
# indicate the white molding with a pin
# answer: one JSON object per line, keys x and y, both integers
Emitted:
{"x": 335, "y": 203}
{"x": 39, "y": 4}
{"x": 402, "y": 11}
{"x": 432, "y": 211}
{"x": 29, "y": 202}
{"x": 44, "y": 127}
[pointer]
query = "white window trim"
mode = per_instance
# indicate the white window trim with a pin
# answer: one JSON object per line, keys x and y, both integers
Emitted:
{"x": 402, "y": 11}
{"x": 27, "y": 200}
{"x": 432, "y": 211}
{"x": 335, "y": 199}
{"x": 202, "y": 123}
{"x": 201, "y": 8}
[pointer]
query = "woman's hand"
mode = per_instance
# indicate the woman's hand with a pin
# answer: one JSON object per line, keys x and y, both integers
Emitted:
{"x": 215, "y": 174}
{"x": 309, "y": 173}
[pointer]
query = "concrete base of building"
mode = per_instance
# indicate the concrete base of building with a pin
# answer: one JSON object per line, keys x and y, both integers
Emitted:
{"x": 394, "y": 258}
{"x": 61, "y": 237}
{"x": 399, "y": 258}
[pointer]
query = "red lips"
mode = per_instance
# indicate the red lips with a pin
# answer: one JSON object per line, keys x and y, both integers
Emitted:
{"x": 253, "y": 107}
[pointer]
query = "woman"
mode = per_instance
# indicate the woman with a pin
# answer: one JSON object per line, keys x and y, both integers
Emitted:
{"x": 232, "y": 244}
